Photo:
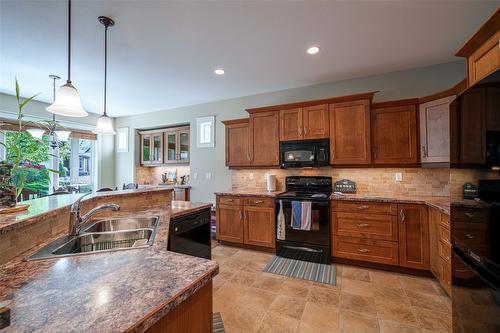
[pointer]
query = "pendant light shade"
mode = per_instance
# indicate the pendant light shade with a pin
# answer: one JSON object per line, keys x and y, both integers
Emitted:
{"x": 62, "y": 136}
{"x": 67, "y": 102}
{"x": 37, "y": 133}
{"x": 104, "y": 126}
{"x": 104, "y": 123}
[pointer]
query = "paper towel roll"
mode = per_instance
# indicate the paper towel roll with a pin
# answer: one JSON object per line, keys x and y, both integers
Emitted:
{"x": 271, "y": 182}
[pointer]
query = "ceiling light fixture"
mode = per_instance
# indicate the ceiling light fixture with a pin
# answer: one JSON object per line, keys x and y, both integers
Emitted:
{"x": 67, "y": 102}
{"x": 104, "y": 123}
{"x": 313, "y": 50}
{"x": 219, "y": 71}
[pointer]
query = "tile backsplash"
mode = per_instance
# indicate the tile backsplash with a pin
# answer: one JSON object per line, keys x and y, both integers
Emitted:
{"x": 152, "y": 175}
{"x": 459, "y": 177}
{"x": 372, "y": 181}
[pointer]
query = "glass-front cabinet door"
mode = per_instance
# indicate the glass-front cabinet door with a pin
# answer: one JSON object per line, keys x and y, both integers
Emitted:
{"x": 145, "y": 148}
{"x": 157, "y": 148}
{"x": 184, "y": 145}
{"x": 171, "y": 147}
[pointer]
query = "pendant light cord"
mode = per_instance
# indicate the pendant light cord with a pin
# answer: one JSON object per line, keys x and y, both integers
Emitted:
{"x": 105, "y": 66}
{"x": 69, "y": 42}
{"x": 54, "y": 95}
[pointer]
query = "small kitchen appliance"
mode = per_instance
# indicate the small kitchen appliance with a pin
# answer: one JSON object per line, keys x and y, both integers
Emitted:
{"x": 305, "y": 153}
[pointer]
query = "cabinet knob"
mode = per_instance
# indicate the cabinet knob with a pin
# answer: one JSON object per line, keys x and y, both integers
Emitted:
{"x": 176, "y": 229}
{"x": 363, "y": 250}
{"x": 469, "y": 236}
{"x": 470, "y": 215}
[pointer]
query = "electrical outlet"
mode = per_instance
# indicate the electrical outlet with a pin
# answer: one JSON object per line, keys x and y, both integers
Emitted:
{"x": 250, "y": 176}
{"x": 208, "y": 175}
{"x": 398, "y": 176}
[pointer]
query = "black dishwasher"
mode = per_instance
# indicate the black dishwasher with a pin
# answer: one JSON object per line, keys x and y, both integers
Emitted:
{"x": 190, "y": 234}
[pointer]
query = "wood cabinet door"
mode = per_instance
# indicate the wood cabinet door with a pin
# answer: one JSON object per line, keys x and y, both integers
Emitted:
{"x": 237, "y": 150}
{"x": 485, "y": 60}
{"x": 145, "y": 149}
{"x": 264, "y": 138}
{"x": 291, "y": 124}
{"x": 315, "y": 120}
{"x": 492, "y": 105}
{"x": 260, "y": 226}
{"x": 472, "y": 127}
{"x": 434, "y": 260}
{"x": 170, "y": 146}
{"x": 157, "y": 148}
{"x": 183, "y": 146}
{"x": 413, "y": 236}
{"x": 230, "y": 223}
{"x": 394, "y": 135}
{"x": 435, "y": 130}
{"x": 350, "y": 132}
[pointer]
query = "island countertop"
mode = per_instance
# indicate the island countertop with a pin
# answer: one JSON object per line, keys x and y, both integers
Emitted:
{"x": 48, "y": 204}
{"x": 116, "y": 291}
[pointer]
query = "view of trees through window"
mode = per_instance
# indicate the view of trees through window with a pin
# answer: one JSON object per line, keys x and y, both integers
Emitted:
{"x": 39, "y": 152}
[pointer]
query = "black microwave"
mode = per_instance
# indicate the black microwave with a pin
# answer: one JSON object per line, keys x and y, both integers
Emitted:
{"x": 305, "y": 153}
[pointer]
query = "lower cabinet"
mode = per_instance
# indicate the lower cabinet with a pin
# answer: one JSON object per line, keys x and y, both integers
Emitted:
{"x": 384, "y": 233}
{"x": 440, "y": 248}
{"x": 249, "y": 221}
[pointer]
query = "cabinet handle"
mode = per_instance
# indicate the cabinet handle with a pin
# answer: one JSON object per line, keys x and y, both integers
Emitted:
{"x": 362, "y": 207}
{"x": 469, "y": 215}
{"x": 333, "y": 154}
{"x": 469, "y": 236}
{"x": 241, "y": 216}
{"x": 364, "y": 250}
{"x": 258, "y": 201}
{"x": 424, "y": 151}
{"x": 248, "y": 157}
{"x": 229, "y": 200}
{"x": 305, "y": 130}
{"x": 363, "y": 225}
{"x": 402, "y": 215}
{"x": 300, "y": 131}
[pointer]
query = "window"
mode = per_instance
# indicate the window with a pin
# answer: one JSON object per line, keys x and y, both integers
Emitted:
{"x": 205, "y": 130}
{"x": 76, "y": 164}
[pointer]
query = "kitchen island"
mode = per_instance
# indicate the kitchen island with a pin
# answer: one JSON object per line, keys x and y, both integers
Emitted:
{"x": 137, "y": 290}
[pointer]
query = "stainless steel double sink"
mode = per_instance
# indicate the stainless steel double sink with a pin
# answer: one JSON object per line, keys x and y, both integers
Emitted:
{"x": 103, "y": 235}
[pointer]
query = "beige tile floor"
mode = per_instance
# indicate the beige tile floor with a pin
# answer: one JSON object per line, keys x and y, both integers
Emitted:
{"x": 363, "y": 300}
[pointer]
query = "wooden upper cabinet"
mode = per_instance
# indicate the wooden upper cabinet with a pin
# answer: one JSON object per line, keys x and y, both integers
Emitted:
{"x": 315, "y": 122}
{"x": 492, "y": 105}
{"x": 237, "y": 148}
{"x": 394, "y": 134}
{"x": 413, "y": 236}
{"x": 264, "y": 138}
{"x": 472, "y": 127}
{"x": 309, "y": 122}
{"x": 350, "y": 132}
{"x": 435, "y": 130}
{"x": 291, "y": 124}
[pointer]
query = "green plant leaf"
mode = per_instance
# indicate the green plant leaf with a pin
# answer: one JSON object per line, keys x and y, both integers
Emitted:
{"x": 23, "y": 104}
{"x": 54, "y": 171}
{"x": 17, "y": 91}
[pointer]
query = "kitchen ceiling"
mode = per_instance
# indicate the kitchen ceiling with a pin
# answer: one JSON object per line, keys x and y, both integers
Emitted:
{"x": 163, "y": 54}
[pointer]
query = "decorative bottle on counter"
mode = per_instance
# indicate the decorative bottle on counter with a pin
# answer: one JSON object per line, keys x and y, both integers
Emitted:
{"x": 280, "y": 224}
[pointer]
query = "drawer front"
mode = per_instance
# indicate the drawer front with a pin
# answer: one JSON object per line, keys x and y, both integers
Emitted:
{"x": 364, "y": 207}
{"x": 473, "y": 235}
{"x": 444, "y": 250}
{"x": 260, "y": 202}
{"x": 469, "y": 215}
{"x": 228, "y": 200}
{"x": 373, "y": 226}
{"x": 444, "y": 233}
{"x": 377, "y": 251}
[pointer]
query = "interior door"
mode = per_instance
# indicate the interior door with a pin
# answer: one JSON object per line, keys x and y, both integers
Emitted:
{"x": 413, "y": 236}
{"x": 260, "y": 226}
{"x": 435, "y": 130}
{"x": 350, "y": 132}
{"x": 316, "y": 124}
{"x": 171, "y": 146}
{"x": 291, "y": 124}
{"x": 394, "y": 135}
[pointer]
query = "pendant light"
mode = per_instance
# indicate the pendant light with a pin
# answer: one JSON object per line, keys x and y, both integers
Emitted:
{"x": 104, "y": 123}
{"x": 67, "y": 102}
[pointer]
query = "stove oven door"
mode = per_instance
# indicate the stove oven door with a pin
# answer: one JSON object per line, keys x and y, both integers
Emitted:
{"x": 310, "y": 245}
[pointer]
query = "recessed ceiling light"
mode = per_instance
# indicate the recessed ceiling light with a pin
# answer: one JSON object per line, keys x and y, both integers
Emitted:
{"x": 219, "y": 71}
{"x": 313, "y": 50}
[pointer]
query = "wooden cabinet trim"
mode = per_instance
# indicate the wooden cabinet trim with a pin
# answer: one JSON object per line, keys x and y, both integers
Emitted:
{"x": 490, "y": 27}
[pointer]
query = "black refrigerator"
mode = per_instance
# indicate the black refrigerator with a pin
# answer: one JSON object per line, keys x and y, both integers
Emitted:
{"x": 475, "y": 207}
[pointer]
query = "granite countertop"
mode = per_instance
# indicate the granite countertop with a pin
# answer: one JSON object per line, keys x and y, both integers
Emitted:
{"x": 50, "y": 203}
{"x": 441, "y": 203}
{"x": 249, "y": 193}
{"x": 104, "y": 292}
{"x": 165, "y": 185}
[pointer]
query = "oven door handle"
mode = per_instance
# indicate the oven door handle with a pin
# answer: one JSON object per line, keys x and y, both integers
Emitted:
{"x": 302, "y": 248}
{"x": 485, "y": 274}
{"x": 314, "y": 203}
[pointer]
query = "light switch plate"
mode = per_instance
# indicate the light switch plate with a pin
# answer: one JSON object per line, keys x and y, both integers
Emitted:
{"x": 398, "y": 176}
{"x": 195, "y": 175}
{"x": 208, "y": 175}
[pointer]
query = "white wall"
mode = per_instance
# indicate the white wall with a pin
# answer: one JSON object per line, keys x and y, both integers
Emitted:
{"x": 398, "y": 85}
{"x": 35, "y": 111}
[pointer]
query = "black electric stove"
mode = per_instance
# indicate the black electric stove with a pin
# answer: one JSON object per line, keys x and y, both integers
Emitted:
{"x": 309, "y": 245}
